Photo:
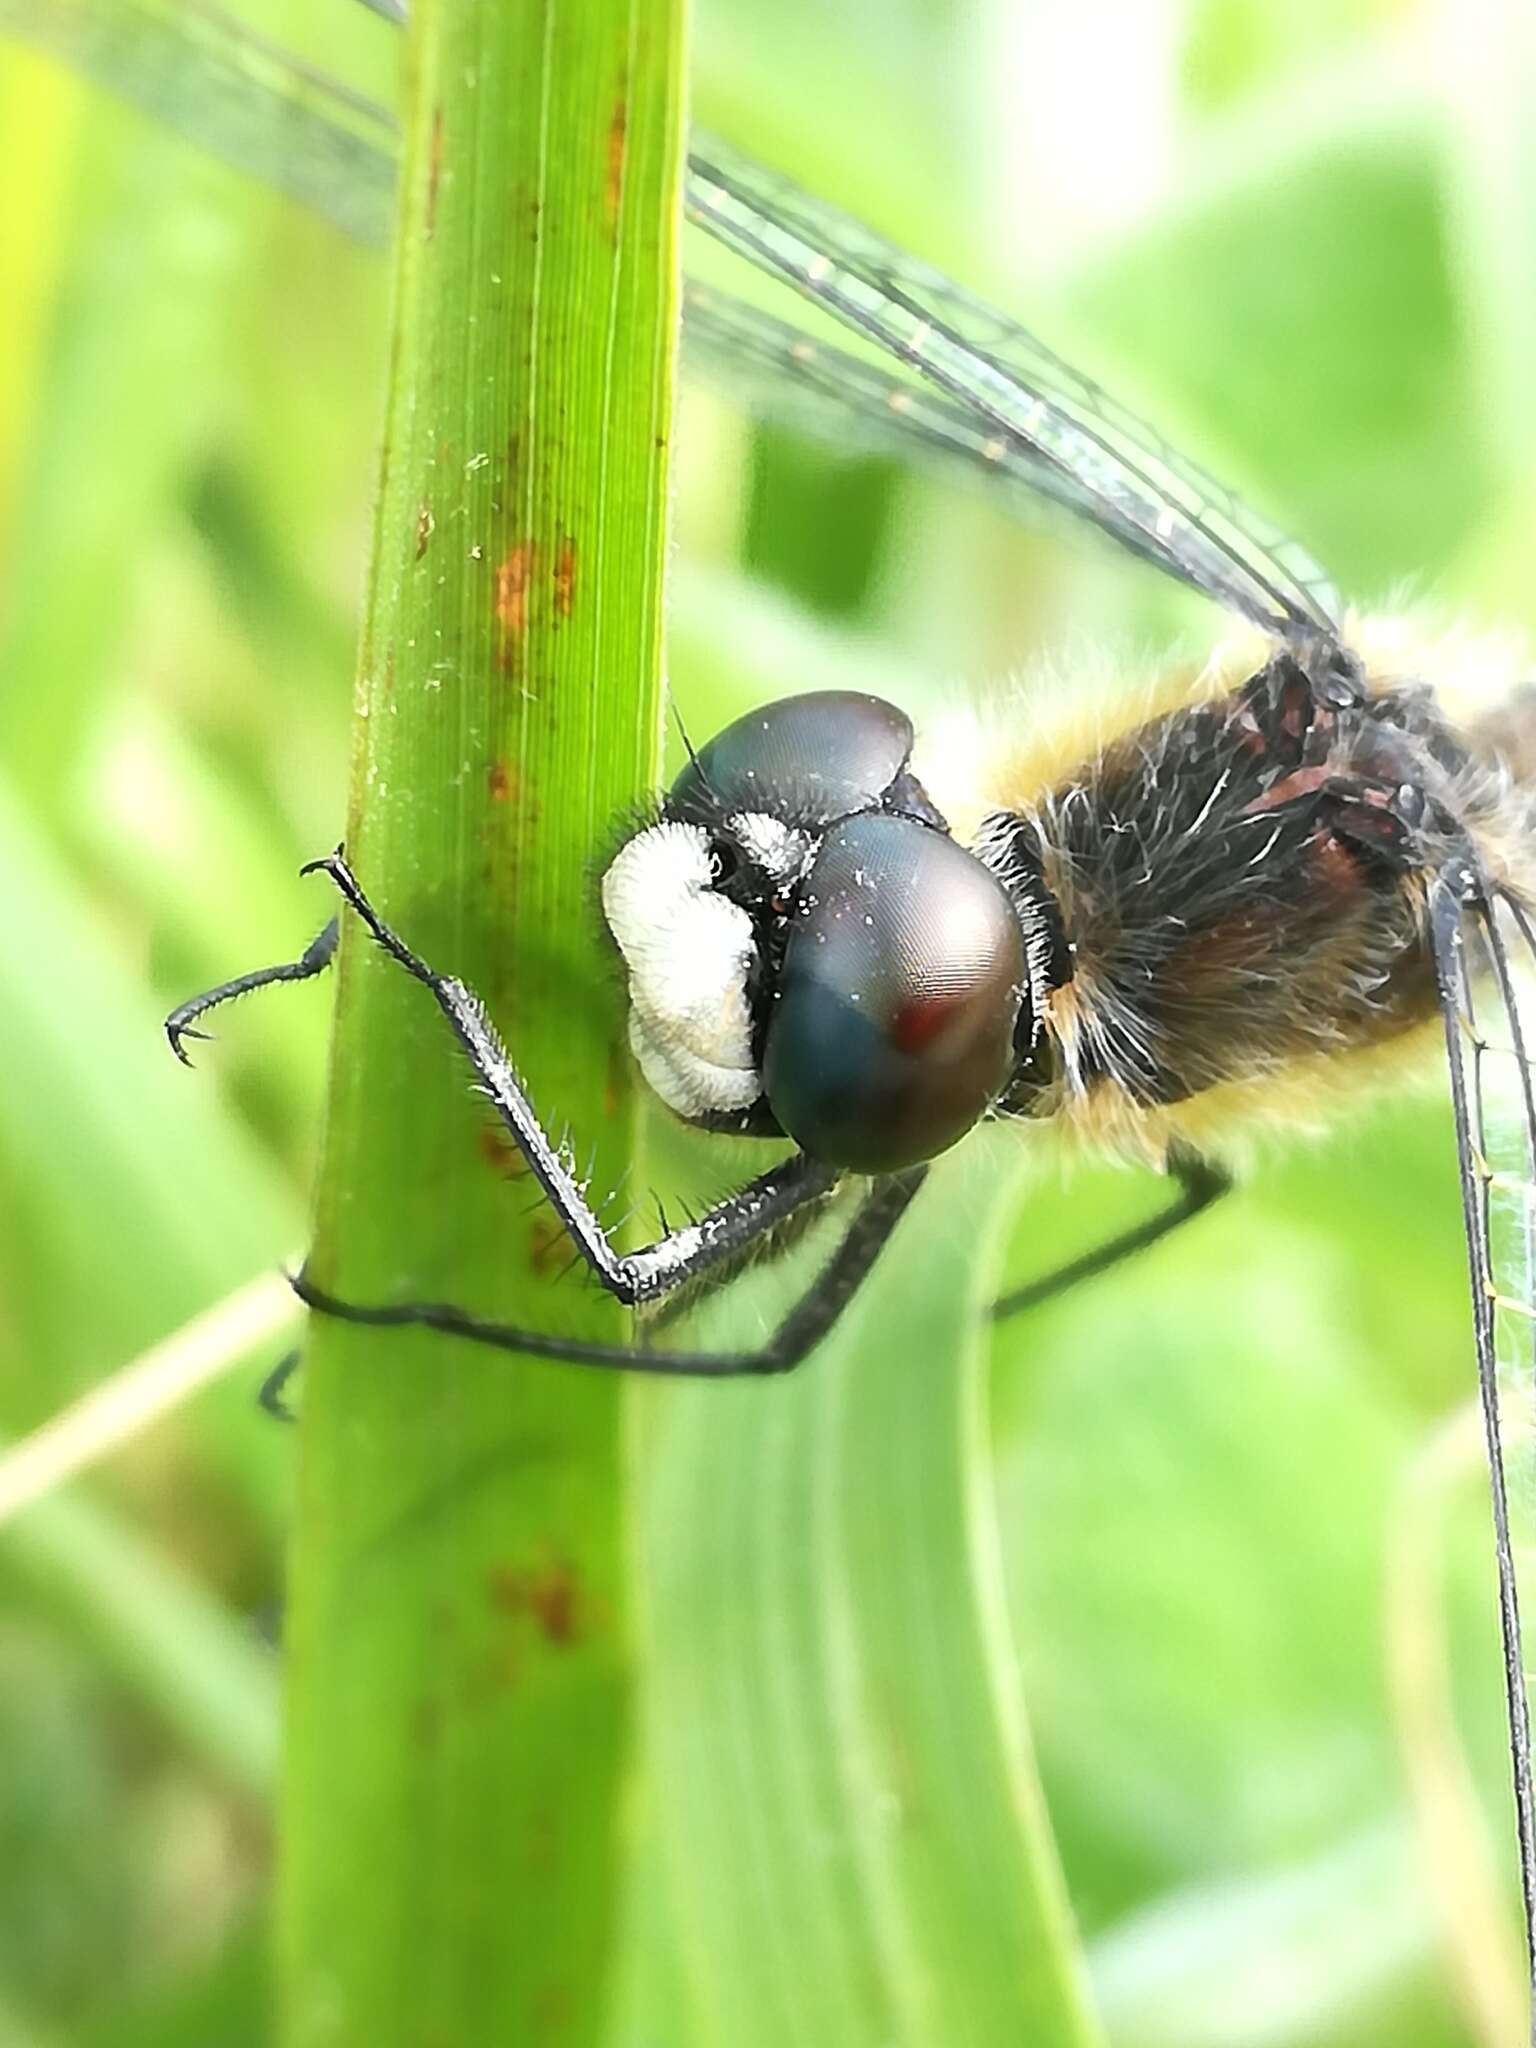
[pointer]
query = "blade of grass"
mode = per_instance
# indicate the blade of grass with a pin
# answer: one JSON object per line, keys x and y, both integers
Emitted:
{"x": 131, "y": 1201}
{"x": 152, "y": 246}
{"x": 39, "y": 107}
{"x": 201, "y": 1669}
{"x": 150, "y": 1386}
{"x": 458, "y": 1711}
{"x": 856, "y": 1838}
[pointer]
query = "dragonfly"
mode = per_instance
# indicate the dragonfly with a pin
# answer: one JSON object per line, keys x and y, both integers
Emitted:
{"x": 1298, "y": 859}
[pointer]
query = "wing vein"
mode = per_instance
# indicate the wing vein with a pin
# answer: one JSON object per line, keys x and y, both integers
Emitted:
{"x": 1461, "y": 904}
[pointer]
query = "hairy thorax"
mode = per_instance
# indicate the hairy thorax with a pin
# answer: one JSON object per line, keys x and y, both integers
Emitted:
{"x": 1243, "y": 915}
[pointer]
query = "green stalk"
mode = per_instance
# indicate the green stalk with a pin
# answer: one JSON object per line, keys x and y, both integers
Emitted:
{"x": 459, "y": 1654}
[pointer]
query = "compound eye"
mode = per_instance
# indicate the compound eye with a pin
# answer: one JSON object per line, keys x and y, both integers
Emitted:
{"x": 806, "y": 759}
{"x": 892, "y": 1030}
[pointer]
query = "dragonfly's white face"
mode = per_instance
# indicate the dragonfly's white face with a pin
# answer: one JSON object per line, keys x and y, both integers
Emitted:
{"x": 690, "y": 952}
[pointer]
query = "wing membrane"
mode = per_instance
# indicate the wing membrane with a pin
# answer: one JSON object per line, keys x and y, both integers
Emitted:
{"x": 1110, "y": 465}
{"x": 779, "y": 373}
{"x": 992, "y": 399}
{"x": 1483, "y": 985}
{"x": 207, "y": 77}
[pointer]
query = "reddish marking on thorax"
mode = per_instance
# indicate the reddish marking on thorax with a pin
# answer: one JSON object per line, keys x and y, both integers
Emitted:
{"x": 1300, "y": 782}
{"x": 1335, "y": 866}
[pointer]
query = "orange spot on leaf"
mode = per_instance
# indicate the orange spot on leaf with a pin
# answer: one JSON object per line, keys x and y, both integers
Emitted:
{"x": 425, "y": 525}
{"x": 498, "y": 1150}
{"x": 618, "y": 142}
{"x": 513, "y": 576}
{"x": 565, "y": 577}
{"x": 549, "y": 1594}
{"x": 434, "y": 171}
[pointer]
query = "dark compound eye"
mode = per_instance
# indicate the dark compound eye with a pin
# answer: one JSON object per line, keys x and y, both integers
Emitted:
{"x": 893, "y": 1028}
{"x": 807, "y": 759}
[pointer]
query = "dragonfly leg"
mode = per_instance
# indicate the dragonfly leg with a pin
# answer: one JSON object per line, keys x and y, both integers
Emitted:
{"x": 272, "y": 1394}
{"x": 315, "y": 958}
{"x": 655, "y": 1270}
{"x": 801, "y": 1330}
{"x": 1201, "y": 1182}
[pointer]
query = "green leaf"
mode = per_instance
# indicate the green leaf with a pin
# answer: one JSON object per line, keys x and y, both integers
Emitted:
{"x": 459, "y": 1703}
{"x": 854, "y": 1832}
{"x": 131, "y": 1202}
{"x": 172, "y": 1644}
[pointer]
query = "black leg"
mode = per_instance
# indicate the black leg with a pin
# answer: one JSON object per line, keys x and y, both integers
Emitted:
{"x": 795, "y": 1338}
{"x": 656, "y": 1269}
{"x": 1200, "y": 1182}
{"x": 315, "y": 958}
{"x": 272, "y": 1394}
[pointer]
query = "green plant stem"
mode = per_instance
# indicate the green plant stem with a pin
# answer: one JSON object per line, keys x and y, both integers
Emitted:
{"x": 459, "y": 1703}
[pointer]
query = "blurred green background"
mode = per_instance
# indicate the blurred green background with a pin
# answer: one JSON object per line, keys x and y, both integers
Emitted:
{"x": 1243, "y": 1539}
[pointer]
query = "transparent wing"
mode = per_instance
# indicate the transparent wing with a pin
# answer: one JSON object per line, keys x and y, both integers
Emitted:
{"x": 1106, "y": 464}
{"x": 992, "y": 399}
{"x": 780, "y": 373}
{"x": 207, "y": 77}
{"x": 1485, "y": 966}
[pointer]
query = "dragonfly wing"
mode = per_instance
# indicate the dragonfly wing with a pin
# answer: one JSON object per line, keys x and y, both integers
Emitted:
{"x": 1009, "y": 406}
{"x": 1106, "y": 463}
{"x": 1485, "y": 968}
{"x": 781, "y": 374}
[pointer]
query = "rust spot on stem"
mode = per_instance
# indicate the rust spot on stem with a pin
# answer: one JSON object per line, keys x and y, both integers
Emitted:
{"x": 498, "y": 1150}
{"x": 513, "y": 576}
{"x": 618, "y": 143}
{"x": 549, "y": 1594}
{"x": 565, "y": 577}
{"x": 425, "y": 526}
{"x": 549, "y": 1245}
{"x": 503, "y": 782}
{"x": 434, "y": 171}
{"x": 554, "y": 2010}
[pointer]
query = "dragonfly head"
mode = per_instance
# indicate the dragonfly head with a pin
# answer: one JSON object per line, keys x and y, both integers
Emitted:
{"x": 810, "y": 953}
